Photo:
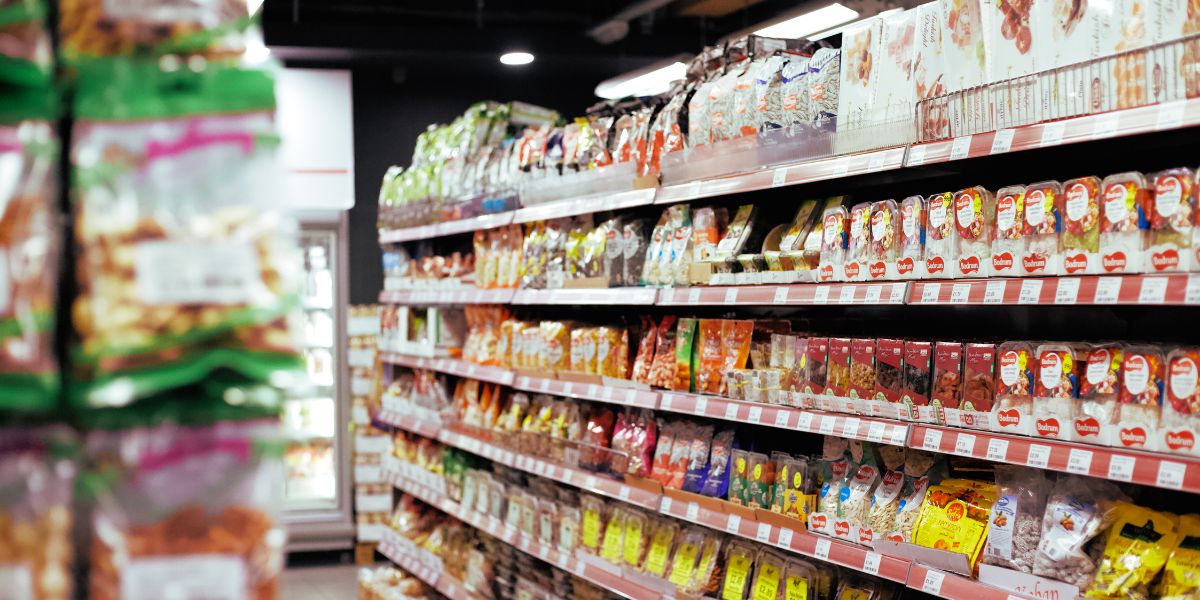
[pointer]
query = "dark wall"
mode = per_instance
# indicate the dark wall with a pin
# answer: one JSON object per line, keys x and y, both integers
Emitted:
{"x": 391, "y": 107}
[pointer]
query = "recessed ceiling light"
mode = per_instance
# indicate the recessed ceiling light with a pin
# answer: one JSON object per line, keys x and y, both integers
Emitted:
{"x": 810, "y": 22}
{"x": 516, "y": 58}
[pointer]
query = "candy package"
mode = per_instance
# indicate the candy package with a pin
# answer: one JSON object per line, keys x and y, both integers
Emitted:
{"x": 1008, "y": 237}
{"x": 1042, "y": 229}
{"x": 910, "y": 264}
{"x": 1122, "y": 223}
{"x": 1136, "y": 548}
{"x": 1180, "y": 425}
{"x": 974, "y": 219}
{"x": 1143, "y": 370}
{"x": 1054, "y": 391}
{"x": 885, "y": 241}
{"x": 946, "y": 390}
{"x": 1012, "y": 410}
{"x": 1096, "y": 411}
{"x": 834, "y": 240}
{"x": 1171, "y": 212}
{"x": 1181, "y": 578}
{"x": 941, "y": 248}
{"x": 918, "y": 379}
{"x": 1081, "y": 226}
{"x": 858, "y": 247}
{"x": 1078, "y": 510}
{"x": 739, "y": 564}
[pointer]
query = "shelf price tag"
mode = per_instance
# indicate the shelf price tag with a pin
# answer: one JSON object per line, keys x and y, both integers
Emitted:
{"x": 1031, "y": 291}
{"x": 897, "y": 294}
{"x": 1170, "y": 475}
{"x": 701, "y": 406}
{"x": 755, "y": 415}
{"x": 1106, "y": 125}
{"x": 821, "y": 295}
{"x": 871, "y": 563}
{"x": 1039, "y": 456}
{"x": 899, "y": 435}
{"x": 846, "y": 295}
{"x": 960, "y": 148}
{"x": 1052, "y": 133}
{"x": 693, "y": 296}
{"x": 822, "y": 549}
{"x": 731, "y": 411}
{"x": 1170, "y": 115}
{"x": 960, "y": 293}
{"x": 1002, "y": 141}
{"x": 693, "y": 511}
{"x": 1108, "y": 290}
{"x": 841, "y": 167}
{"x": 964, "y": 445}
{"x": 876, "y": 161}
{"x": 874, "y": 293}
{"x": 930, "y": 292}
{"x": 781, "y": 295}
{"x": 664, "y": 506}
{"x": 666, "y": 401}
{"x": 1079, "y": 461}
{"x": 933, "y": 582}
{"x": 994, "y": 292}
{"x": 544, "y": 553}
{"x": 624, "y": 493}
{"x": 997, "y": 449}
{"x": 568, "y": 388}
{"x": 933, "y": 440}
{"x": 1120, "y": 467}
{"x": 1191, "y": 294}
{"x": 916, "y": 155}
{"x": 785, "y": 538}
{"x": 850, "y": 427}
{"x": 827, "y": 424}
{"x": 1154, "y": 290}
{"x": 733, "y": 524}
{"x": 805, "y": 421}
{"x": 781, "y": 418}
{"x": 875, "y": 431}
{"x": 764, "y": 533}
{"x": 731, "y": 295}
{"x": 779, "y": 177}
{"x": 1067, "y": 291}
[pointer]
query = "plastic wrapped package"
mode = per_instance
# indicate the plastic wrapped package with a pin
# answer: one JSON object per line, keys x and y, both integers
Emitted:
{"x": 1079, "y": 508}
{"x": 1181, "y": 412}
{"x": 885, "y": 241}
{"x": 634, "y": 250}
{"x": 760, "y": 480}
{"x": 815, "y": 367}
{"x": 736, "y": 234}
{"x": 824, "y": 85}
{"x": 974, "y": 219}
{"x": 910, "y": 264}
{"x": 662, "y": 535}
{"x": 834, "y": 238}
{"x": 35, "y": 515}
{"x": 854, "y": 504}
{"x": 187, "y": 259}
{"x": 612, "y": 544}
{"x": 215, "y": 30}
{"x": 697, "y": 454}
{"x": 1122, "y": 223}
{"x": 739, "y": 476}
{"x": 1081, "y": 226}
{"x": 1096, "y": 411}
{"x": 1181, "y": 577}
{"x": 637, "y": 538}
{"x": 859, "y": 588}
{"x": 662, "y": 370}
{"x": 889, "y": 370}
{"x": 1171, "y": 212}
{"x": 709, "y": 357}
{"x": 769, "y": 581}
{"x": 1143, "y": 369}
{"x": 791, "y": 244}
{"x": 583, "y": 350}
{"x": 717, "y": 478}
{"x": 1015, "y": 525}
{"x": 196, "y": 506}
{"x": 797, "y": 103}
{"x": 1013, "y": 407}
{"x": 862, "y": 368}
{"x": 612, "y": 352}
{"x": 837, "y": 384}
{"x": 946, "y": 388}
{"x": 768, "y": 92}
{"x": 1008, "y": 236}
{"x": 680, "y": 246}
{"x": 656, "y": 246}
{"x": 858, "y": 247}
{"x": 705, "y": 576}
{"x": 739, "y": 565}
{"x": 954, "y": 517}
{"x": 594, "y": 516}
{"x": 909, "y": 508}
{"x": 941, "y": 248}
{"x": 978, "y": 391}
{"x": 1042, "y": 229}
{"x": 800, "y": 580}
{"x": 570, "y": 520}
{"x": 918, "y": 376}
{"x": 1054, "y": 391}
{"x": 1137, "y": 546}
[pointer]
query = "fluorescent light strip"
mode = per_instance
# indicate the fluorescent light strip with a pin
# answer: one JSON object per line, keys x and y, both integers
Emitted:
{"x": 836, "y": 30}
{"x": 811, "y": 22}
{"x": 642, "y": 82}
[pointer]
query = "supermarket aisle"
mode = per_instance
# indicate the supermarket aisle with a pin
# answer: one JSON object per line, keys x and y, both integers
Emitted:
{"x": 319, "y": 582}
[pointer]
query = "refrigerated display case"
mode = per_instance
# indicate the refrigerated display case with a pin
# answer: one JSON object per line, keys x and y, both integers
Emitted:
{"x": 318, "y": 496}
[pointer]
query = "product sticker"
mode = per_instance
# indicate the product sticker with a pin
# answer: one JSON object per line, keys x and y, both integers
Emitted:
{"x": 1000, "y": 531}
{"x": 660, "y": 548}
{"x": 853, "y": 593}
{"x": 198, "y": 273}
{"x": 16, "y": 582}
{"x": 737, "y": 572}
{"x": 613, "y": 541}
{"x": 1136, "y": 373}
{"x": 796, "y": 589}
{"x": 684, "y": 564}
{"x": 208, "y": 576}
{"x": 591, "y": 529}
{"x": 766, "y": 585}
{"x": 1072, "y": 518}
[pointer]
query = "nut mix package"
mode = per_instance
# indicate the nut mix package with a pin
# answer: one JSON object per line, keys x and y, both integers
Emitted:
{"x": 187, "y": 262}
{"x": 37, "y": 472}
{"x": 94, "y": 28}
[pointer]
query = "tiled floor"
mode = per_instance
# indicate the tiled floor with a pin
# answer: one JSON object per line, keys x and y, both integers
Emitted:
{"x": 321, "y": 582}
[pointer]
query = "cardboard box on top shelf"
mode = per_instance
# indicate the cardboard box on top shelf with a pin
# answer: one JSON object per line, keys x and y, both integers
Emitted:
{"x": 859, "y": 81}
{"x": 896, "y": 93}
{"x": 929, "y": 69}
{"x": 1012, "y": 52}
{"x": 965, "y": 57}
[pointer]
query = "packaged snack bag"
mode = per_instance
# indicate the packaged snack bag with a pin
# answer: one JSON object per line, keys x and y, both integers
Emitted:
{"x": 1137, "y": 546}
{"x": 644, "y": 358}
{"x": 685, "y": 380}
{"x": 27, "y": 58}
{"x": 1171, "y": 204}
{"x": 885, "y": 241}
{"x": 1181, "y": 411}
{"x": 946, "y": 388}
{"x": 837, "y": 384}
{"x": 709, "y": 356}
{"x": 716, "y": 480}
{"x": 1181, "y": 576}
{"x": 194, "y": 505}
{"x": 697, "y": 453}
{"x": 1008, "y": 236}
{"x": 662, "y": 370}
{"x": 634, "y": 251}
{"x": 1122, "y": 222}
{"x": 662, "y": 540}
{"x": 736, "y": 234}
{"x": 37, "y": 471}
{"x": 862, "y": 369}
{"x": 583, "y": 350}
{"x": 918, "y": 378}
{"x": 1055, "y": 387}
{"x": 854, "y": 506}
{"x": 1096, "y": 412}
{"x": 978, "y": 388}
{"x": 801, "y": 580}
{"x": 187, "y": 259}
{"x": 1079, "y": 509}
{"x": 815, "y": 375}
{"x": 834, "y": 240}
{"x": 739, "y": 564}
{"x": 954, "y": 517}
{"x": 1015, "y": 371}
{"x": 612, "y": 352}
{"x": 1042, "y": 229}
{"x": 1081, "y": 226}
{"x": 941, "y": 249}
{"x": 974, "y": 218}
{"x": 911, "y": 261}
{"x": 884, "y": 505}
{"x": 1140, "y": 396}
{"x": 858, "y": 250}
{"x": 214, "y": 30}
{"x": 1015, "y": 524}
{"x": 889, "y": 376}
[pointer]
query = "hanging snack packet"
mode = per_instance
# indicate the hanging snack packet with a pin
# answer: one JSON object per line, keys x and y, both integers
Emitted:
{"x": 1137, "y": 546}
{"x": 739, "y": 563}
{"x": 1079, "y": 508}
{"x": 187, "y": 260}
{"x": 1181, "y": 577}
{"x": 37, "y": 474}
{"x": 685, "y": 376}
{"x": 717, "y": 480}
{"x": 214, "y": 30}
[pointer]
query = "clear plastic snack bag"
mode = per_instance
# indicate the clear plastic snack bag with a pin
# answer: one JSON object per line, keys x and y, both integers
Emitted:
{"x": 37, "y": 472}
{"x": 1079, "y": 508}
{"x": 1015, "y": 527}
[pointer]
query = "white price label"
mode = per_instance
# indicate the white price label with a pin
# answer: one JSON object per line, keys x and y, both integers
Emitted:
{"x": 785, "y": 538}
{"x": 1052, "y": 133}
{"x": 933, "y": 440}
{"x": 607, "y": 393}
{"x": 850, "y": 427}
{"x": 781, "y": 418}
{"x": 568, "y": 388}
{"x": 1170, "y": 116}
{"x": 664, "y": 506}
{"x": 591, "y": 482}
{"x": 1067, "y": 291}
{"x": 994, "y": 292}
{"x": 693, "y": 511}
{"x": 755, "y": 415}
{"x": 731, "y": 411}
{"x": 1039, "y": 456}
{"x": 821, "y": 295}
{"x": 827, "y": 424}
{"x": 580, "y": 568}
{"x": 781, "y": 295}
{"x": 805, "y": 421}
{"x": 846, "y": 295}
{"x": 898, "y": 435}
{"x": 897, "y": 294}
{"x": 876, "y": 431}
{"x": 841, "y": 167}
{"x": 960, "y": 148}
{"x": 997, "y": 449}
{"x": 693, "y": 296}
{"x": 594, "y": 391}
{"x": 701, "y": 406}
{"x": 471, "y": 370}
{"x": 1002, "y": 141}
{"x": 731, "y": 295}
{"x": 624, "y": 493}
{"x": 1170, "y": 475}
{"x": 1108, "y": 290}
{"x": 544, "y": 385}
{"x": 916, "y": 156}
{"x": 764, "y": 533}
{"x": 874, "y": 293}
{"x": 1031, "y": 291}
{"x": 667, "y": 400}
{"x": 1154, "y": 290}
{"x": 544, "y": 553}
{"x": 779, "y": 177}
{"x": 933, "y": 582}
{"x": 960, "y": 293}
{"x": 822, "y": 549}
{"x": 930, "y": 293}
{"x": 871, "y": 563}
{"x": 964, "y": 444}
{"x": 1191, "y": 294}
{"x": 1079, "y": 461}
{"x": 876, "y": 161}
{"x": 1106, "y": 125}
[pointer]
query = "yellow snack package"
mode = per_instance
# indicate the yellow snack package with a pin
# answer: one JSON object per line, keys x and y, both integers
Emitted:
{"x": 955, "y": 518}
{"x": 661, "y": 542}
{"x": 687, "y": 553}
{"x": 614, "y": 537}
{"x": 739, "y": 563}
{"x": 593, "y": 524}
{"x": 1181, "y": 579}
{"x": 636, "y": 529}
{"x": 1135, "y": 550}
{"x": 768, "y": 577}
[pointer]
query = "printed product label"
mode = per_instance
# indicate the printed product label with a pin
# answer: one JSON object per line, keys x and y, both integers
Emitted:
{"x": 16, "y": 582}
{"x": 208, "y": 576}
{"x": 1115, "y": 210}
{"x": 1000, "y": 529}
{"x": 1050, "y": 370}
{"x": 832, "y": 224}
{"x": 937, "y": 215}
{"x": 1010, "y": 368}
{"x": 966, "y": 210}
{"x": 1097, "y": 366}
{"x": 163, "y": 11}
{"x": 1137, "y": 374}
{"x": 1006, "y": 213}
{"x": 1035, "y": 208}
{"x": 197, "y": 273}
{"x": 1077, "y": 202}
{"x": 1166, "y": 196}
{"x": 1183, "y": 378}
{"x": 1070, "y": 517}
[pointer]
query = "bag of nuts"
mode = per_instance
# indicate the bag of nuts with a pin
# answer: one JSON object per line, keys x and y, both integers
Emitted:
{"x": 1078, "y": 510}
{"x": 1016, "y": 520}
{"x": 35, "y": 514}
{"x": 187, "y": 262}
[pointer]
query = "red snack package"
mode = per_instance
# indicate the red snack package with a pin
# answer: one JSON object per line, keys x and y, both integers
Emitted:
{"x": 889, "y": 364}
{"x": 978, "y": 391}
{"x": 1181, "y": 412}
{"x": 946, "y": 388}
{"x": 645, "y": 352}
{"x": 918, "y": 363}
{"x": 1140, "y": 396}
{"x": 816, "y": 356}
{"x": 662, "y": 370}
{"x": 862, "y": 368}
{"x": 838, "y": 381}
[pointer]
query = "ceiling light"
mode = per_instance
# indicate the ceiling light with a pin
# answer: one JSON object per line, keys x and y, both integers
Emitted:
{"x": 810, "y": 22}
{"x": 516, "y": 58}
{"x": 836, "y": 30}
{"x": 652, "y": 79}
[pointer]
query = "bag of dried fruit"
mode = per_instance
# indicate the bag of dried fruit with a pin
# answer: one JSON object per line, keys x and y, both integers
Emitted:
{"x": 187, "y": 261}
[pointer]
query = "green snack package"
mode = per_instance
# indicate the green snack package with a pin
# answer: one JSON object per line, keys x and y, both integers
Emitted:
{"x": 685, "y": 380}
{"x": 27, "y": 55}
{"x": 738, "y": 480}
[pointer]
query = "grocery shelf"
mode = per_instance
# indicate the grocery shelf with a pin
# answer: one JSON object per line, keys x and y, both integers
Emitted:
{"x": 635, "y": 296}
{"x": 1144, "y": 468}
{"x": 760, "y": 295}
{"x": 422, "y": 427}
{"x": 414, "y": 560}
{"x": 607, "y": 392}
{"x": 955, "y": 587}
{"x": 420, "y": 232}
{"x": 461, "y": 295}
{"x": 585, "y": 204}
{"x": 1119, "y": 123}
{"x": 451, "y": 366}
{"x": 1171, "y": 289}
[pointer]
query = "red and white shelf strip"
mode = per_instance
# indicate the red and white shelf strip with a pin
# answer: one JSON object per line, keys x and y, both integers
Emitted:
{"x": 585, "y": 204}
{"x": 765, "y": 295}
{"x": 463, "y": 295}
{"x": 420, "y": 232}
{"x": 1170, "y": 472}
{"x": 452, "y": 366}
{"x": 1178, "y": 288}
{"x": 626, "y": 396}
{"x": 635, "y": 296}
